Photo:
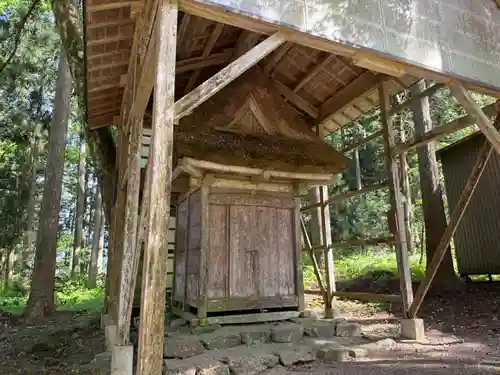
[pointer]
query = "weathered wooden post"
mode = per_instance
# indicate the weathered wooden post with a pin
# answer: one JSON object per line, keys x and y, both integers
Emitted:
{"x": 413, "y": 329}
{"x": 151, "y": 330}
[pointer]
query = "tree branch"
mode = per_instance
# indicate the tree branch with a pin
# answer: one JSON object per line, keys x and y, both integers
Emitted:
{"x": 19, "y": 30}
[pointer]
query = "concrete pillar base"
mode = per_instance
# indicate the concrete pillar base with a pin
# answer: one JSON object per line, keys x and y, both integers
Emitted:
{"x": 110, "y": 336}
{"x": 413, "y": 329}
{"x": 122, "y": 359}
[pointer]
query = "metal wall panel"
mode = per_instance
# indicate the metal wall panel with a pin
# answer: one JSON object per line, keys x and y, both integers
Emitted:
{"x": 477, "y": 239}
{"x": 457, "y": 37}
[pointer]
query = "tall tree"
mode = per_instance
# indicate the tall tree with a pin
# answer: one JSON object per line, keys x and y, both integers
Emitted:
{"x": 41, "y": 298}
{"x": 432, "y": 200}
{"x": 80, "y": 209}
{"x": 96, "y": 236}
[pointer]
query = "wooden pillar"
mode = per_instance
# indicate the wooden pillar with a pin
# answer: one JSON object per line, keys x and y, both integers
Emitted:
{"x": 151, "y": 330}
{"x": 328, "y": 251}
{"x": 131, "y": 253}
{"x": 405, "y": 189}
{"x": 396, "y": 199}
{"x": 316, "y": 223}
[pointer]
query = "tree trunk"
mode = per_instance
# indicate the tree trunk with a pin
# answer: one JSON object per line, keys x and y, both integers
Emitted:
{"x": 7, "y": 269}
{"x": 94, "y": 256}
{"x": 432, "y": 200}
{"x": 41, "y": 298}
{"x": 80, "y": 210}
{"x": 100, "y": 255}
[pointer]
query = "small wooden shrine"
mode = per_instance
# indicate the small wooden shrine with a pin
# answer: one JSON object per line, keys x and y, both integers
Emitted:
{"x": 241, "y": 160}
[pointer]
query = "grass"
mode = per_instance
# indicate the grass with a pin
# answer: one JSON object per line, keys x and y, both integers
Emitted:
{"x": 356, "y": 265}
{"x": 72, "y": 296}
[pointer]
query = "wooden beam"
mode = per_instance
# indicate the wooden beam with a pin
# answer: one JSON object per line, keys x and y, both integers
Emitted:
{"x": 396, "y": 199}
{"x": 441, "y": 131}
{"x": 209, "y": 45}
{"x": 353, "y": 90}
{"x": 217, "y": 82}
{"x": 328, "y": 251}
{"x": 362, "y": 142}
{"x": 482, "y": 121}
{"x": 113, "y": 39}
{"x": 318, "y": 68}
{"x": 151, "y": 330}
{"x": 276, "y": 58}
{"x": 347, "y": 195}
{"x": 296, "y": 99}
{"x": 131, "y": 252}
{"x": 108, "y": 66}
{"x": 427, "y": 92}
{"x": 194, "y": 63}
{"x": 372, "y": 297}
{"x": 455, "y": 218}
{"x": 112, "y": 5}
{"x": 308, "y": 245}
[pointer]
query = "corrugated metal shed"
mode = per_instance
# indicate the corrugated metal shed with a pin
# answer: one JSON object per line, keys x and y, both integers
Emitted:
{"x": 477, "y": 239}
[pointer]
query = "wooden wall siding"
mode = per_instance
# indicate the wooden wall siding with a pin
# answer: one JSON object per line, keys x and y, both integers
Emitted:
{"x": 267, "y": 246}
{"x": 218, "y": 252}
{"x": 193, "y": 247}
{"x": 285, "y": 233}
{"x": 181, "y": 250}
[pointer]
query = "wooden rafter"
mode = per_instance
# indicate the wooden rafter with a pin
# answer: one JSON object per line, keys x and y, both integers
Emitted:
{"x": 296, "y": 99}
{"x": 318, "y": 68}
{"x": 108, "y": 66}
{"x": 189, "y": 102}
{"x": 276, "y": 58}
{"x": 353, "y": 90}
{"x": 246, "y": 41}
{"x": 209, "y": 45}
{"x": 195, "y": 63}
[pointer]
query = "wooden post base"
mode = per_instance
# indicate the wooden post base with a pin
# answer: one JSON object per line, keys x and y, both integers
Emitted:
{"x": 413, "y": 329}
{"x": 122, "y": 360}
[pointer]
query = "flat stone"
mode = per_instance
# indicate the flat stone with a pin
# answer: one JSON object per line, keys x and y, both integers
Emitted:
{"x": 348, "y": 330}
{"x": 301, "y": 354}
{"x": 309, "y": 314}
{"x": 278, "y": 370}
{"x": 182, "y": 348}
{"x": 177, "y": 323}
{"x": 209, "y": 328}
{"x": 413, "y": 329}
{"x": 357, "y": 352}
{"x": 250, "y": 364}
{"x": 320, "y": 329}
{"x": 384, "y": 344}
{"x": 287, "y": 333}
{"x": 332, "y": 353}
{"x": 255, "y": 337}
{"x": 199, "y": 365}
{"x": 222, "y": 342}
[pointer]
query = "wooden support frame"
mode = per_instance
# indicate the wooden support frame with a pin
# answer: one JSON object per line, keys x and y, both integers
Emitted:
{"x": 328, "y": 251}
{"x": 427, "y": 92}
{"x": 151, "y": 338}
{"x": 309, "y": 248}
{"x": 456, "y": 216}
{"x": 347, "y": 195}
{"x": 360, "y": 296}
{"x": 441, "y": 131}
{"x": 362, "y": 142}
{"x": 396, "y": 199}
{"x": 482, "y": 121}
{"x": 217, "y": 82}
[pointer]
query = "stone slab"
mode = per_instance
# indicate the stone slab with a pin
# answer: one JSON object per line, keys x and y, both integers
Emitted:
{"x": 256, "y": 337}
{"x": 287, "y": 333}
{"x": 299, "y": 354}
{"x": 182, "y": 347}
{"x": 250, "y": 364}
{"x": 333, "y": 353}
{"x": 199, "y": 365}
{"x": 322, "y": 329}
{"x": 348, "y": 330}
{"x": 413, "y": 329}
{"x": 222, "y": 342}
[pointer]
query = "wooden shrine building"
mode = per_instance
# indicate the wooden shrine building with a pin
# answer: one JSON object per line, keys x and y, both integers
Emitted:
{"x": 238, "y": 96}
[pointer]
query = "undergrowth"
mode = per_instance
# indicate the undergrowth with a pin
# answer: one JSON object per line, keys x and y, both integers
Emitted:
{"x": 351, "y": 266}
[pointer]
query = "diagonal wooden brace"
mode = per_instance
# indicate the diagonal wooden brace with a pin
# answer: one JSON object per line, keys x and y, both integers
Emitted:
{"x": 455, "y": 218}
{"x": 476, "y": 112}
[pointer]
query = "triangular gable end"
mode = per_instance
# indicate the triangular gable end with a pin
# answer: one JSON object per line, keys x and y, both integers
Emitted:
{"x": 249, "y": 119}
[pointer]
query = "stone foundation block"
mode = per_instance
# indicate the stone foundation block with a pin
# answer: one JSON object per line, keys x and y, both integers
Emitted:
{"x": 222, "y": 342}
{"x": 289, "y": 357}
{"x": 287, "y": 333}
{"x": 413, "y": 329}
{"x": 333, "y": 353}
{"x": 122, "y": 360}
{"x": 199, "y": 365}
{"x": 320, "y": 329}
{"x": 250, "y": 364}
{"x": 348, "y": 330}
{"x": 182, "y": 348}
{"x": 110, "y": 336}
{"x": 255, "y": 337}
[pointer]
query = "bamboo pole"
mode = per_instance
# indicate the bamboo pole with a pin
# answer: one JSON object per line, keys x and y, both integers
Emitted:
{"x": 396, "y": 200}
{"x": 151, "y": 330}
{"x": 456, "y": 216}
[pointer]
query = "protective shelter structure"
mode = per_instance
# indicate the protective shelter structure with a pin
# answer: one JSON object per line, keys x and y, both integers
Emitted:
{"x": 153, "y": 63}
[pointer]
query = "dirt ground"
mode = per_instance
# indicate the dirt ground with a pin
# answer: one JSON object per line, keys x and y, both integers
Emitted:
{"x": 462, "y": 327}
